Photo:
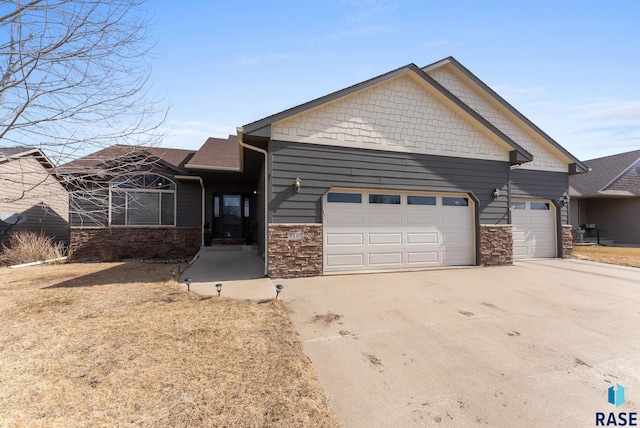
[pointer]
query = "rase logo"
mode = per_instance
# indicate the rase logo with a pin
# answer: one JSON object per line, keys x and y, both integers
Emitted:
{"x": 615, "y": 396}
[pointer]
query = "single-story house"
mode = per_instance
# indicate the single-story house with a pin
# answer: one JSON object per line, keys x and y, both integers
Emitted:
{"x": 415, "y": 168}
{"x": 28, "y": 187}
{"x": 606, "y": 200}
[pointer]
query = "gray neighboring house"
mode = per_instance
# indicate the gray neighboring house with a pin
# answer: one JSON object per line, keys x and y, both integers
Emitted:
{"x": 27, "y": 186}
{"x": 606, "y": 200}
{"x": 415, "y": 168}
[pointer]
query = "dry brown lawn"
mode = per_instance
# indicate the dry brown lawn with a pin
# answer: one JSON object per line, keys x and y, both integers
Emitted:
{"x": 120, "y": 344}
{"x": 625, "y": 256}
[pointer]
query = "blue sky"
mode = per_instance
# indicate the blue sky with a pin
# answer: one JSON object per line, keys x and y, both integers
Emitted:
{"x": 573, "y": 68}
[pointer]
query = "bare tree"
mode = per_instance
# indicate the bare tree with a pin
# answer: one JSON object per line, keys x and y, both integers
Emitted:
{"x": 74, "y": 80}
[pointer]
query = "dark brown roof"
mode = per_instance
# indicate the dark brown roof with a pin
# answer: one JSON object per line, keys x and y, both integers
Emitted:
{"x": 174, "y": 158}
{"x": 217, "y": 154}
{"x": 617, "y": 175}
{"x": 7, "y": 153}
{"x": 13, "y": 151}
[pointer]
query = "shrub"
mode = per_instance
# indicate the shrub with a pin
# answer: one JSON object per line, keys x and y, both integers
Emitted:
{"x": 25, "y": 247}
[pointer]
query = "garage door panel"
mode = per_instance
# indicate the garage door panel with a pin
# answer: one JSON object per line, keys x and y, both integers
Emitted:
{"x": 345, "y": 238}
{"x": 385, "y": 219}
{"x": 453, "y": 257}
{"x": 420, "y": 257}
{"x": 455, "y": 238}
{"x": 345, "y": 219}
{"x": 421, "y": 219}
{"x": 385, "y": 238}
{"x": 345, "y": 260}
{"x": 391, "y": 259}
{"x": 456, "y": 218}
{"x": 422, "y": 238}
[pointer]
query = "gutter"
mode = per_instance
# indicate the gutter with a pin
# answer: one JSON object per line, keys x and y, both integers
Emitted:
{"x": 240, "y": 132}
{"x": 187, "y": 177}
{"x": 212, "y": 168}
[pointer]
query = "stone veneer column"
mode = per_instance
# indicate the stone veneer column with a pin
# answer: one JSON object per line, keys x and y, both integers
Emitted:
{"x": 567, "y": 241}
{"x": 295, "y": 250}
{"x": 496, "y": 245}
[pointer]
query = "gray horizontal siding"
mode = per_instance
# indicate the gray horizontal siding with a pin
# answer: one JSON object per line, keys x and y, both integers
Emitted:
{"x": 39, "y": 220}
{"x": 542, "y": 185}
{"x": 322, "y": 167}
{"x": 617, "y": 219}
{"x": 188, "y": 204}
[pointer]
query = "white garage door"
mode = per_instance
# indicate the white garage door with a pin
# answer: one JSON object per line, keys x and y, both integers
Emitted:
{"x": 534, "y": 229}
{"x": 373, "y": 231}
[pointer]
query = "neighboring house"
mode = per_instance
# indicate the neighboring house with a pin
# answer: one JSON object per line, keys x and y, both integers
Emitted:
{"x": 415, "y": 168}
{"x": 606, "y": 200}
{"x": 28, "y": 187}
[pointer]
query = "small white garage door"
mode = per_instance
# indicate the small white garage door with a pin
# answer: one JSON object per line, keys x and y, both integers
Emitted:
{"x": 373, "y": 231}
{"x": 534, "y": 229}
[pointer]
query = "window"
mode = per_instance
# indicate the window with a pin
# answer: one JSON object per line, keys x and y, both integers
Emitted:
{"x": 384, "y": 199}
{"x": 246, "y": 208}
{"x": 142, "y": 200}
{"x": 455, "y": 202}
{"x": 347, "y": 198}
{"x": 539, "y": 206}
{"x": 517, "y": 205}
{"x": 216, "y": 206}
{"x": 421, "y": 200}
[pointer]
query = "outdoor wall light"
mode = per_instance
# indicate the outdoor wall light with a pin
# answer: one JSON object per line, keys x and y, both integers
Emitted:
{"x": 219, "y": 288}
{"x": 279, "y": 288}
{"x": 188, "y": 282}
{"x": 297, "y": 184}
{"x": 495, "y": 193}
{"x": 564, "y": 200}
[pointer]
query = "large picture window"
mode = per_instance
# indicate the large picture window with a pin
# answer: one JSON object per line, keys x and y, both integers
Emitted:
{"x": 142, "y": 200}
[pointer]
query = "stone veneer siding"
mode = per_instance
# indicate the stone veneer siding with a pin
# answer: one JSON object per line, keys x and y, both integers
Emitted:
{"x": 108, "y": 244}
{"x": 496, "y": 245}
{"x": 295, "y": 256}
{"x": 567, "y": 241}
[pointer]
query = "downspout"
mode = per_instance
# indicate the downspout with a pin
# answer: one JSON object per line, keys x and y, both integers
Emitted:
{"x": 202, "y": 214}
{"x": 266, "y": 195}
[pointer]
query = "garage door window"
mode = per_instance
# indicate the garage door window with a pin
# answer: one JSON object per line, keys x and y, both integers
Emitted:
{"x": 384, "y": 199}
{"x": 539, "y": 206}
{"x": 421, "y": 200}
{"x": 517, "y": 205}
{"x": 455, "y": 202}
{"x": 345, "y": 198}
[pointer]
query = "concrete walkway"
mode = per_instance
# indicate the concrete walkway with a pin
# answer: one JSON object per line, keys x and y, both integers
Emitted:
{"x": 241, "y": 273}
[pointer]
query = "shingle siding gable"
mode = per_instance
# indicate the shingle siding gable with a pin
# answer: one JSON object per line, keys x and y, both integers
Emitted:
{"x": 398, "y": 115}
{"x": 543, "y": 158}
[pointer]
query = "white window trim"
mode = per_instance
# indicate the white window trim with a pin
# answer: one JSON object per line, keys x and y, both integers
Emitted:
{"x": 125, "y": 191}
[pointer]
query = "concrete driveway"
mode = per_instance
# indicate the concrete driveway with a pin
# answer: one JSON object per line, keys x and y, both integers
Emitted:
{"x": 534, "y": 344}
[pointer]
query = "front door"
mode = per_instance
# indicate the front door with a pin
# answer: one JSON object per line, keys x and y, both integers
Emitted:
{"x": 230, "y": 214}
